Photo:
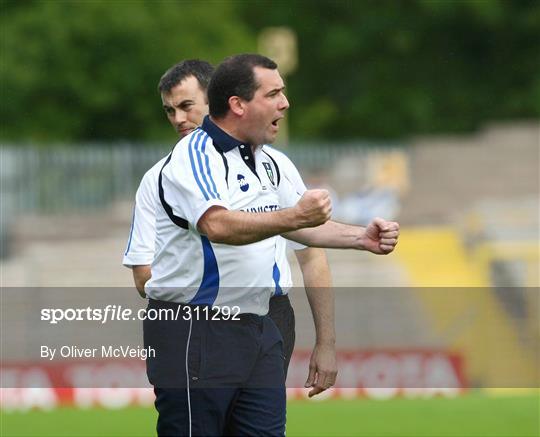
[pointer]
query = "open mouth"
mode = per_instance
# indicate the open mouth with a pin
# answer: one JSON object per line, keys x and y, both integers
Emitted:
{"x": 275, "y": 122}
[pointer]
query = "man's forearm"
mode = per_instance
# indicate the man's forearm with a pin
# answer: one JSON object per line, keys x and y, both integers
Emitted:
{"x": 318, "y": 284}
{"x": 237, "y": 227}
{"x": 331, "y": 235}
{"x": 379, "y": 236}
{"x": 225, "y": 226}
{"x": 141, "y": 275}
{"x": 317, "y": 281}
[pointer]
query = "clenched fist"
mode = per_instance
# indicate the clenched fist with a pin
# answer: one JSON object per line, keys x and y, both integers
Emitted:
{"x": 314, "y": 208}
{"x": 380, "y": 236}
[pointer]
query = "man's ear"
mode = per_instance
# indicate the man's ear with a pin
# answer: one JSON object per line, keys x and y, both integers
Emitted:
{"x": 236, "y": 105}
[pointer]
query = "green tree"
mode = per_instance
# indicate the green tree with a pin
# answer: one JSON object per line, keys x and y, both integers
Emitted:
{"x": 395, "y": 68}
{"x": 73, "y": 71}
{"x": 87, "y": 70}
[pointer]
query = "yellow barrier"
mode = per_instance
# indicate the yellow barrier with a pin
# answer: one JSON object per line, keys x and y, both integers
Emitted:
{"x": 466, "y": 315}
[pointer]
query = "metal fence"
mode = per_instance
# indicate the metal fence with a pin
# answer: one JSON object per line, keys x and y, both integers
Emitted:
{"x": 92, "y": 176}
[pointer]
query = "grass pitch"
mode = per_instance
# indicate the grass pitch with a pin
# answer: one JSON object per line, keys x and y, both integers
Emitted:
{"x": 472, "y": 415}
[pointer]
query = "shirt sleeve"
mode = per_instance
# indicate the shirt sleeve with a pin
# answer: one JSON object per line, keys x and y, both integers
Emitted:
{"x": 291, "y": 173}
{"x": 194, "y": 180}
{"x": 294, "y": 196}
{"x": 293, "y": 188}
{"x": 141, "y": 242}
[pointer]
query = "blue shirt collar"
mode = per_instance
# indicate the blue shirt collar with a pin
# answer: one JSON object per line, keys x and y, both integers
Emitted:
{"x": 220, "y": 138}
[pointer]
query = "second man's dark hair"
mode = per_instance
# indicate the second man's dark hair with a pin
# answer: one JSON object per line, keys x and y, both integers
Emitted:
{"x": 201, "y": 70}
{"x": 235, "y": 77}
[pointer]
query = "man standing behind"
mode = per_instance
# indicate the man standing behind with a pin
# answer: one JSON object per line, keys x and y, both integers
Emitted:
{"x": 183, "y": 95}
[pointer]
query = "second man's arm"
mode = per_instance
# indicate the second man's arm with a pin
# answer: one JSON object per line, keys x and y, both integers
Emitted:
{"x": 318, "y": 285}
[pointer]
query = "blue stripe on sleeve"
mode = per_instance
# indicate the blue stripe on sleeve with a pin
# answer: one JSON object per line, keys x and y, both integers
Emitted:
{"x": 200, "y": 156}
{"x": 206, "y": 161}
{"x": 192, "y": 161}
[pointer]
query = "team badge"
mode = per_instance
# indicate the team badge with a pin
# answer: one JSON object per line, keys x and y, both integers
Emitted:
{"x": 244, "y": 185}
{"x": 269, "y": 172}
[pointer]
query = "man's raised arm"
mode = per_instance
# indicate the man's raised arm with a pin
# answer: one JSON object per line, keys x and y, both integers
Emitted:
{"x": 224, "y": 226}
{"x": 379, "y": 237}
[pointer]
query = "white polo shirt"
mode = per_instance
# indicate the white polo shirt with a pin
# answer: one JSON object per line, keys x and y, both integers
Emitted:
{"x": 197, "y": 175}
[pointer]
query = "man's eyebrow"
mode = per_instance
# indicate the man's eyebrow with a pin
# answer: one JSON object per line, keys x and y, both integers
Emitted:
{"x": 184, "y": 102}
{"x": 275, "y": 90}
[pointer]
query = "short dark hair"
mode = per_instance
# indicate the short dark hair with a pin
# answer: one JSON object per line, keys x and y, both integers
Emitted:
{"x": 235, "y": 77}
{"x": 201, "y": 70}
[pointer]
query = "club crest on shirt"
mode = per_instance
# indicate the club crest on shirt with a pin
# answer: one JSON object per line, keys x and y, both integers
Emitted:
{"x": 244, "y": 185}
{"x": 269, "y": 172}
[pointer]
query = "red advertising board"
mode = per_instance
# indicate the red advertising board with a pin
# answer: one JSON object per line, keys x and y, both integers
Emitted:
{"x": 380, "y": 374}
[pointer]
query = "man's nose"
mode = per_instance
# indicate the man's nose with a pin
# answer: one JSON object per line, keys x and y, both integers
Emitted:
{"x": 284, "y": 103}
{"x": 179, "y": 117}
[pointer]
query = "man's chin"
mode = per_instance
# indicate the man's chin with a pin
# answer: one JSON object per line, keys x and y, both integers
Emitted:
{"x": 270, "y": 139}
{"x": 184, "y": 133}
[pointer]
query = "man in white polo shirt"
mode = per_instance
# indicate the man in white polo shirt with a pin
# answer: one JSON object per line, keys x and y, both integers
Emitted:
{"x": 222, "y": 207}
{"x": 183, "y": 93}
